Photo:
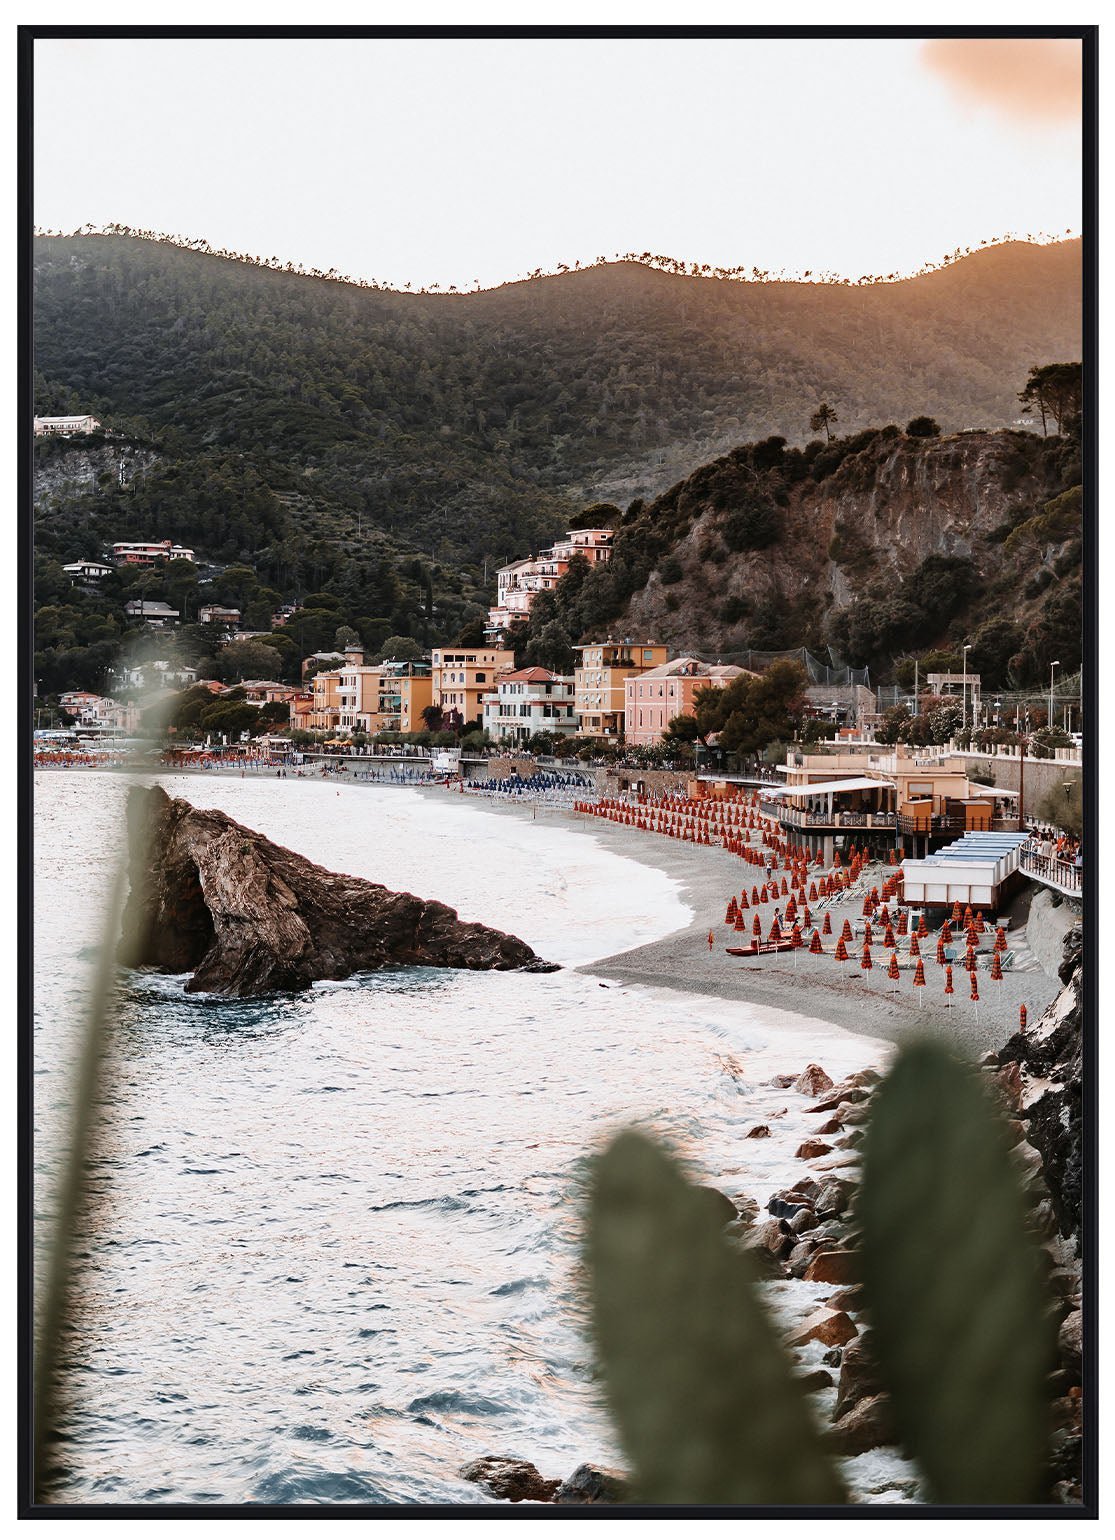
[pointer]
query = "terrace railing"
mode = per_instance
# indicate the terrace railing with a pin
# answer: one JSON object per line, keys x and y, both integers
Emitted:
{"x": 1066, "y": 877}
{"x": 802, "y": 818}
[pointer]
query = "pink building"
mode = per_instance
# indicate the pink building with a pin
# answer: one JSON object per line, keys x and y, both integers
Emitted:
{"x": 652, "y": 700}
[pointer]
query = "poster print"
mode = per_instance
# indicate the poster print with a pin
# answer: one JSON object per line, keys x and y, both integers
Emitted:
{"x": 559, "y": 809}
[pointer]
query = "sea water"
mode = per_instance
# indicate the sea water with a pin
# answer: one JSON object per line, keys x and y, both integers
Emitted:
{"x": 334, "y": 1236}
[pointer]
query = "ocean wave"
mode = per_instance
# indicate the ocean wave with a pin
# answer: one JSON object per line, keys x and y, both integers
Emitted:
{"x": 302, "y": 1484}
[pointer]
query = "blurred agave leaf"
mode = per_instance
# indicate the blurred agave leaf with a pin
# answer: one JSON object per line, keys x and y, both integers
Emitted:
{"x": 952, "y": 1283}
{"x": 94, "y": 1065}
{"x": 701, "y": 1389}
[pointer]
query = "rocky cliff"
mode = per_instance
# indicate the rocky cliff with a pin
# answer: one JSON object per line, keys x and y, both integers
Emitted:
{"x": 877, "y": 545}
{"x": 1048, "y": 1059}
{"x": 246, "y": 917}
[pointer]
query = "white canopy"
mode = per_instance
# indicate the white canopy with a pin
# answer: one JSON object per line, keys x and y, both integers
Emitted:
{"x": 822, "y": 788}
{"x": 995, "y": 791}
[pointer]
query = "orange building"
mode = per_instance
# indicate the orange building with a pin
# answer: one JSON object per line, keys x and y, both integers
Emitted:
{"x": 463, "y": 676}
{"x": 653, "y": 699}
{"x": 599, "y": 680}
{"x": 302, "y": 710}
{"x": 326, "y": 710}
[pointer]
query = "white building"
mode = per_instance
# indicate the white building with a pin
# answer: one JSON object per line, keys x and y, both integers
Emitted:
{"x": 87, "y": 571}
{"x": 154, "y": 611}
{"x": 65, "y": 426}
{"x": 529, "y": 701}
{"x": 158, "y": 674}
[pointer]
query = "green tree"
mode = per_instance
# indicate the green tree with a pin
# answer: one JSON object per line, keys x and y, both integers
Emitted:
{"x": 471, "y": 634}
{"x": 247, "y": 660}
{"x": 1056, "y": 390}
{"x": 923, "y": 427}
{"x": 681, "y": 729}
{"x": 229, "y": 717}
{"x": 753, "y": 710}
{"x": 400, "y": 649}
{"x": 823, "y": 417}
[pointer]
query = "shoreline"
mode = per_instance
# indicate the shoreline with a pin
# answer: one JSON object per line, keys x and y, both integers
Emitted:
{"x": 797, "y": 985}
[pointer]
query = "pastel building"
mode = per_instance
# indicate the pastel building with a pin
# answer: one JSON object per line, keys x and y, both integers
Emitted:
{"x": 65, "y": 426}
{"x": 392, "y": 697}
{"x": 145, "y": 553}
{"x": 654, "y": 698}
{"x": 600, "y": 678}
{"x": 529, "y": 701}
{"x": 218, "y": 615}
{"x": 463, "y": 676}
{"x": 520, "y": 582}
{"x": 326, "y": 711}
{"x": 370, "y": 697}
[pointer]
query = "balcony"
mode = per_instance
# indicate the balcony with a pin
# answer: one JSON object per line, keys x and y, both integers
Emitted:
{"x": 801, "y": 818}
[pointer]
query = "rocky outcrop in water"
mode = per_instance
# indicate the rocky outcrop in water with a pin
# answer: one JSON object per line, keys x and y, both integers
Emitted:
{"x": 246, "y": 917}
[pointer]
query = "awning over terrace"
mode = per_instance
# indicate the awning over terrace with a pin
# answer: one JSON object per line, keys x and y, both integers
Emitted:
{"x": 823, "y": 788}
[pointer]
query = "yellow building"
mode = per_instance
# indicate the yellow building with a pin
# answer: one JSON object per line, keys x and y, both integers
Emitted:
{"x": 463, "y": 676}
{"x": 599, "y": 682}
{"x": 325, "y": 713}
{"x": 393, "y": 697}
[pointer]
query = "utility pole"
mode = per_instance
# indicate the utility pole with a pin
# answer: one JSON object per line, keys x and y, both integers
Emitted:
{"x": 1021, "y": 784}
{"x": 1055, "y": 664}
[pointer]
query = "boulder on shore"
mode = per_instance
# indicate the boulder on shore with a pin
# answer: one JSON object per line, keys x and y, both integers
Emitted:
{"x": 516, "y": 1481}
{"x": 593, "y": 1484}
{"x": 246, "y": 917}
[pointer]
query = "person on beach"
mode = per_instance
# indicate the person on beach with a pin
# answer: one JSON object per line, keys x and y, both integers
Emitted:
{"x": 711, "y": 940}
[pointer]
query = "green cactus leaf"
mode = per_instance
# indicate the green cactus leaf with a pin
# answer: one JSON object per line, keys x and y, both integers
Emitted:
{"x": 952, "y": 1283}
{"x": 699, "y": 1385}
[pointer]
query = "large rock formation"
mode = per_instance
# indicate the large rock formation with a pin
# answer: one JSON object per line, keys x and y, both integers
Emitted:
{"x": 247, "y": 917}
{"x": 1048, "y": 1057}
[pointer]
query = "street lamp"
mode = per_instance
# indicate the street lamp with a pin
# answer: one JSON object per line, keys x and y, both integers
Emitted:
{"x": 1055, "y": 664}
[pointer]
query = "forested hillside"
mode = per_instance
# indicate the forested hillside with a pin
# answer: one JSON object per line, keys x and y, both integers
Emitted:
{"x": 388, "y": 450}
{"x": 469, "y": 420}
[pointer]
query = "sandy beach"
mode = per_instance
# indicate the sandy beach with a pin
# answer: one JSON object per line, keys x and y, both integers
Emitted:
{"x": 815, "y": 987}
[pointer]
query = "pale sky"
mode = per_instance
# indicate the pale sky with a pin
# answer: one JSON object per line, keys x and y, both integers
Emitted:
{"x": 450, "y": 161}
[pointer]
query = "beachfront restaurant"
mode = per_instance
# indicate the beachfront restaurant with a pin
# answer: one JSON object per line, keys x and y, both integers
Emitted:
{"x": 897, "y": 801}
{"x": 818, "y": 813}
